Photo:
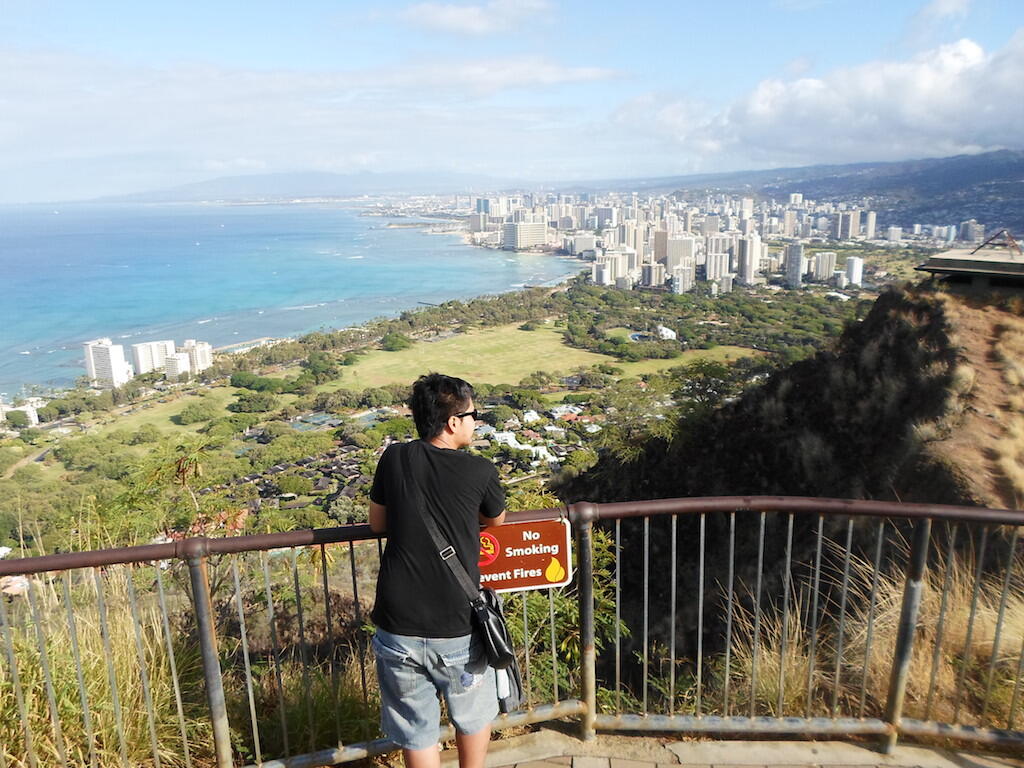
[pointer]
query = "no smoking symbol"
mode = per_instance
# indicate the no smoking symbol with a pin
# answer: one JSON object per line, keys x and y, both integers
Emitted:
{"x": 489, "y": 548}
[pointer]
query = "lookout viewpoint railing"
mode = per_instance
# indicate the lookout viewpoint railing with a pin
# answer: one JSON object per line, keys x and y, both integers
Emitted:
{"x": 714, "y": 616}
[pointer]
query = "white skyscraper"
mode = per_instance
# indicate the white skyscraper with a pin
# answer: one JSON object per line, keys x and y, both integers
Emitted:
{"x": 150, "y": 355}
{"x": 748, "y": 258}
{"x": 177, "y": 365}
{"x": 525, "y": 234}
{"x": 794, "y": 265}
{"x": 679, "y": 248}
{"x": 869, "y": 225}
{"x": 200, "y": 354}
{"x": 716, "y": 266}
{"x": 894, "y": 234}
{"x": 684, "y": 276}
{"x": 855, "y": 270}
{"x": 105, "y": 364}
{"x": 711, "y": 225}
{"x": 824, "y": 265}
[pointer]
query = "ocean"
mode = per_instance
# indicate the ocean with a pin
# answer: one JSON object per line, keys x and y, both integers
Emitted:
{"x": 219, "y": 273}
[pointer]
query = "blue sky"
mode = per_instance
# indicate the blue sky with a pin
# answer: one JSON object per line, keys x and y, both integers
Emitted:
{"x": 109, "y": 97}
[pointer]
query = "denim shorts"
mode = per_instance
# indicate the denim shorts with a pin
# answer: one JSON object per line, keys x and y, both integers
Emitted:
{"x": 415, "y": 671}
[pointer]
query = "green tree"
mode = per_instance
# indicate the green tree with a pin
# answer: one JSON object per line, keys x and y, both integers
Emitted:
{"x": 193, "y": 413}
{"x": 253, "y": 402}
{"x": 147, "y": 433}
{"x": 18, "y": 419}
{"x": 393, "y": 342}
{"x": 294, "y": 484}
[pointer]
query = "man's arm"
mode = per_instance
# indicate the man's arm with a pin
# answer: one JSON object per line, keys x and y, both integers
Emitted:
{"x": 491, "y": 522}
{"x": 379, "y": 517}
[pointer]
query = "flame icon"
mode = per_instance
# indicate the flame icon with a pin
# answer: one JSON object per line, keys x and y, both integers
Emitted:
{"x": 554, "y": 571}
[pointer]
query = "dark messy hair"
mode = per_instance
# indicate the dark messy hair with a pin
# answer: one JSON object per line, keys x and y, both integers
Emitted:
{"x": 435, "y": 398}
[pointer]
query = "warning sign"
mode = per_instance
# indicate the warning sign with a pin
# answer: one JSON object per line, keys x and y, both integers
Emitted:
{"x": 521, "y": 556}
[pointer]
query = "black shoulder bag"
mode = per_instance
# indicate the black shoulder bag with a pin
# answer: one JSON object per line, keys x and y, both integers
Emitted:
{"x": 488, "y": 620}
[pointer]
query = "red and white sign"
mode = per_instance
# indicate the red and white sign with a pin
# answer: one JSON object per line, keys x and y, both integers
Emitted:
{"x": 521, "y": 556}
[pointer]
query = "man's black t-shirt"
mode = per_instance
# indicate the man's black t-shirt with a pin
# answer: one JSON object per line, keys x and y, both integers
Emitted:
{"x": 416, "y": 592}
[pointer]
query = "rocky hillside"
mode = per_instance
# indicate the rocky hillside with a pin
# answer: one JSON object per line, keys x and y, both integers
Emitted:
{"x": 918, "y": 402}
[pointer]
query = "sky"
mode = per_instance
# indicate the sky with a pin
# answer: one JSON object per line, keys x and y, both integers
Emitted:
{"x": 101, "y": 98}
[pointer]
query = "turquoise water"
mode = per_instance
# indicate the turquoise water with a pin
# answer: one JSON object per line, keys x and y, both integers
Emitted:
{"x": 222, "y": 274}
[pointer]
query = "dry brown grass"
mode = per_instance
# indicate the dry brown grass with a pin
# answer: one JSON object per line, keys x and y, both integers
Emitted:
{"x": 953, "y": 655}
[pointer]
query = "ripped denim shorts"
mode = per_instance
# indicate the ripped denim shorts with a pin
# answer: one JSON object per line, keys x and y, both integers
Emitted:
{"x": 414, "y": 671}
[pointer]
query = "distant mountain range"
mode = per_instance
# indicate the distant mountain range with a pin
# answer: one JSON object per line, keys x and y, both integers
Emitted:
{"x": 988, "y": 187}
{"x": 288, "y": 186}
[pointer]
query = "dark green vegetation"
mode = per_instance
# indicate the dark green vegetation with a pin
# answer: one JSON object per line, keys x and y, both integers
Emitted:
{"x": 840, "y": 423}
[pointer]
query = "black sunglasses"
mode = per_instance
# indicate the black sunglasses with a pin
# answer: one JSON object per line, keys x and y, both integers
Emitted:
{"x": 474, "y": 413}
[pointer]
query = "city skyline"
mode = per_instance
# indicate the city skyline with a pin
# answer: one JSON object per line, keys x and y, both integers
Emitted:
{"x": 116, "y": 98}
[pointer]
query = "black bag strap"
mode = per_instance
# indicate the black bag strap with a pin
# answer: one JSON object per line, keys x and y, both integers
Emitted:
{"x": 444, "y": 550}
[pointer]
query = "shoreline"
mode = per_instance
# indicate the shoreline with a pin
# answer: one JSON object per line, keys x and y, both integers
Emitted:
{"x": 240, "y": 347}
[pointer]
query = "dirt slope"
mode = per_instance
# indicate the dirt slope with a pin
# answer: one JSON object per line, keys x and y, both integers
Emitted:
{"x": 982, "y": 446}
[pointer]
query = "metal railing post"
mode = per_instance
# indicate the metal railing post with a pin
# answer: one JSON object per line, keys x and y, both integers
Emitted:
{"x": 195, "y": 553}
{"x": 912, "y": 590}
{"x": 582, "y": 516}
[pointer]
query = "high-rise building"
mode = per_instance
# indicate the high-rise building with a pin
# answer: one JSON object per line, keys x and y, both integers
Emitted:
{"x": 894, "y": 234}
{"x": 824, "y": 265}
{"x": 716, "y": 265}
{"x": 789, "y": 224}
{"x": 869, "y": 225}
{"x": 679, "y": 248}
{"x": 653, "y": 275}
{"x": 525, "y": 234}
{"x": 684, "y": 276}
{"x": 711, "y": 225}
{"x": 846, "y": 225}
{"x": 607, "y": 216}
{"x": 177, "y": 365}
{"x": 150, "y": 355}
{"x": 796, "y": 198}
{"x": 200, "y": 354}
{"x": 794, "y": 265}
{"x": 971, "y": 231}
{"x": 855, "y": 270}
{"x": 748, "y": 258}
{"x": 661, "y": 245}
{"x": 105, "y": 364}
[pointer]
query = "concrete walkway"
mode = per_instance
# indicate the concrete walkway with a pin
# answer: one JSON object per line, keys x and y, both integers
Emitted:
{"x": 552, "y": 749}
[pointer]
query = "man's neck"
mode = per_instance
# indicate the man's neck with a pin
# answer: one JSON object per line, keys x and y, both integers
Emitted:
{"x": 443, "y": 441}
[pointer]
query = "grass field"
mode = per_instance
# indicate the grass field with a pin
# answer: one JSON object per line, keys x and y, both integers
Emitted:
{"x": 618, "y": 333}
{"x": 502, "y": 355}
{"x": 159, "y": 414}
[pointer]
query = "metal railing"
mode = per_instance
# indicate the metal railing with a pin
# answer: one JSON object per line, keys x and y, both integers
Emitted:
{"x": 715, "y": 616}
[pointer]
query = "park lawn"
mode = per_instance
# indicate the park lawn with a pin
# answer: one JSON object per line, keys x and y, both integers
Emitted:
{"x": 159, "y": 414}
{"x": 501, "y": 355}
{"x": 619, "y": 333}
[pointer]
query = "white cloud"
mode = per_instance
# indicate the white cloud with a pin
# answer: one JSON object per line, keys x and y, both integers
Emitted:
{"x": 937, "y": 10}
{"x": 474, "y": 19}
{"x": 934, "y": 18}
{"x": 78, "y": 126}
{"x": 952, "y": 99}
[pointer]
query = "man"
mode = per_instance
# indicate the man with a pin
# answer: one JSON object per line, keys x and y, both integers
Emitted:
{"x": 424, "y": 641}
